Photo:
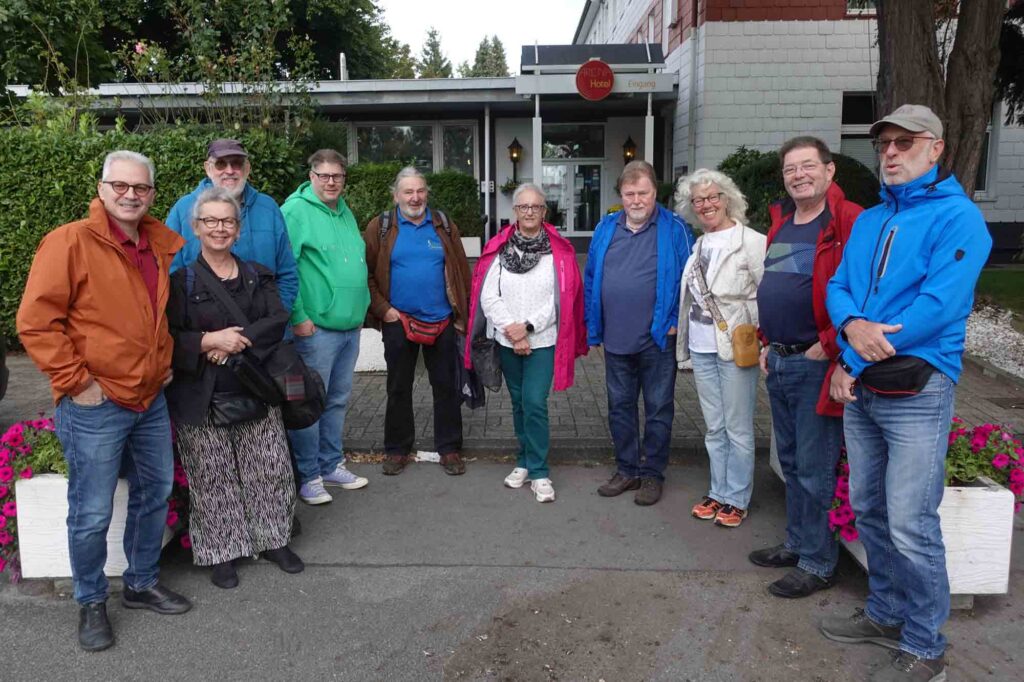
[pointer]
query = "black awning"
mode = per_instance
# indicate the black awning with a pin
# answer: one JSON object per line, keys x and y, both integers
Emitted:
{"x": 569, "y": 55}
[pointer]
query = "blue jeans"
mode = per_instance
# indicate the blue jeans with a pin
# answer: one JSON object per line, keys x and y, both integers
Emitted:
{"x": 897, "y": 452}
{"x": 100, "y": 442}
{"x": 808, "y": 446}
{"x": 652, "y": 371}
{"x": 727, "y": 396}
{"x": 528, "y": 378}
{"x": 318, "y": 449}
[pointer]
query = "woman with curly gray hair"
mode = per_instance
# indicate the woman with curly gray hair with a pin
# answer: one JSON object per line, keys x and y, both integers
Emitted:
{"x": 719, "y": 292}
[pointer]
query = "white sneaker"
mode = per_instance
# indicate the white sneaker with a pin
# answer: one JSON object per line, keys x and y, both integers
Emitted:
{"x": 517, "y": 478}
{"x": 313, "y": 492}
{"x": 543, "y": 490}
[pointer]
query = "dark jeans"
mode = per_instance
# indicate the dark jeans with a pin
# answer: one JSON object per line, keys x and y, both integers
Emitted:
{"x": 808, "y": 446}
{"x": 99, "y": 442}
{"x": 653, "y": 372}
{"x": 400, "y": 354}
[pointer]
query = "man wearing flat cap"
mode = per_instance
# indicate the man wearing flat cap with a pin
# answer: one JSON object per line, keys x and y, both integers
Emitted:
{"x": 900, "y": 301}
{"x": 263, "y": 237}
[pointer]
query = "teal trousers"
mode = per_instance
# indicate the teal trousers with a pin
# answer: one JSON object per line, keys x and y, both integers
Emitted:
{"x": 528, "y": 378}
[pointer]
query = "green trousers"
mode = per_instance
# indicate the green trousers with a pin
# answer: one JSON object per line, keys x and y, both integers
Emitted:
{"x": 528, "y": 378}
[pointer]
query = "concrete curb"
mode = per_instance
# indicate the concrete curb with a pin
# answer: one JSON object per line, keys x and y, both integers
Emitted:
{"x": 990, "y": 370}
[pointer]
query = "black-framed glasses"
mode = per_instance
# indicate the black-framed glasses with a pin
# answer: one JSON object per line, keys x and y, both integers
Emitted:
{"x": 329, "y": 177}
{"x": 529, "y": 208}
{"x": 120, "y": 188}
{"x": 713, "y": 199}
{"x": 808, "y": 167}
{"x": 903, "y": 142}
{"x": 211, "y": 222}
{"x": 236, "y": 163}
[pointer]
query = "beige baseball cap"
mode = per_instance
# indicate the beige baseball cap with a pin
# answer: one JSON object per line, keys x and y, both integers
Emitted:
{"x": 917, "y": 118}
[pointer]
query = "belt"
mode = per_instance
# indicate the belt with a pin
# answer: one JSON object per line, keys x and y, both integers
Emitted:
{"x": 784, "y": 350}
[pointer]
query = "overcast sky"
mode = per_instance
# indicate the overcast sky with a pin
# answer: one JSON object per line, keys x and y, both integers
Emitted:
{"x": 462, "y": 24}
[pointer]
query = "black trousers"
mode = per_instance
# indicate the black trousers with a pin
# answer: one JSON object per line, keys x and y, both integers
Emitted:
{"x": 400, "y": 354}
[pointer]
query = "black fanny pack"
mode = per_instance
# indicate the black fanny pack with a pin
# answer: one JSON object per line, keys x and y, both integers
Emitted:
{"x": 900, "y": 376}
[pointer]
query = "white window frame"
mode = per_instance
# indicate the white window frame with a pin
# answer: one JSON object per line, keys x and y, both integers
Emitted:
{"x": 989, "y": 193}
{"x": 869, "y": 11}
{"x": 437, "y": 138}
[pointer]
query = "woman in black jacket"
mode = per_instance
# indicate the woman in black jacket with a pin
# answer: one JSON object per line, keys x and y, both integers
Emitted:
{"x": 232, "y": 445}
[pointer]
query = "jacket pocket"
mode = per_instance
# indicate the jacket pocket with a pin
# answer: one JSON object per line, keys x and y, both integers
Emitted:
{"x": 346, "y": 309}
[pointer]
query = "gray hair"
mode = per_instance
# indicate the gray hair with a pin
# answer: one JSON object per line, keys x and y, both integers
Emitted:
{"x": 133, "y": 157}
{"x": 528, "y": 187}
{"x": 735, "y": 202}
{"x": 408, "y": 172}
{"x": 215, "y": 195}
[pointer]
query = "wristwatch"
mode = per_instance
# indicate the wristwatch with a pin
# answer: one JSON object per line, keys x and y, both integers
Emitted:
{"x": 529, "y": 327}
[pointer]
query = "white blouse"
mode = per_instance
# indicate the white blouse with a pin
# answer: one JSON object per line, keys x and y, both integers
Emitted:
{"x": 529, "y": 296}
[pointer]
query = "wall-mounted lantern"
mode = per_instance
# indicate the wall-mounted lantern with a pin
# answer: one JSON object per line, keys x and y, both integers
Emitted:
{"x": 515, "y": 153}
{"x": 628, "y": 150}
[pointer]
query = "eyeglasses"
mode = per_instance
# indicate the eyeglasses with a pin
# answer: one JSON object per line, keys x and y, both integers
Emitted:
{"x": 808, "y": 167}
{"x": 329, "y": 177}
{"x": 236, "y": 163}
{"x": 903, "y": 142}
{"x": 120, "y": 188}
{"x": 713, "y": 199}
{"x": 211, "y": 222}
{"x": 530, "y": 208}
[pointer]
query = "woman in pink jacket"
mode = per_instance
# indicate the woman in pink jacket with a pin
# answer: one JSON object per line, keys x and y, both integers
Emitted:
{"x": 528, "y": 296}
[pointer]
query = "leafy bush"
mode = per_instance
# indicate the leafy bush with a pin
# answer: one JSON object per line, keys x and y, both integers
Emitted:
{"x": 458, "y": 195}
{"x": 759, "y": 177}
{"x": 368, "y": 189}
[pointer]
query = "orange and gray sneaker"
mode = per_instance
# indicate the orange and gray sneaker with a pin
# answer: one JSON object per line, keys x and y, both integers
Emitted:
{"x": 706, "y": 508}
{"x": 730, "y": 516}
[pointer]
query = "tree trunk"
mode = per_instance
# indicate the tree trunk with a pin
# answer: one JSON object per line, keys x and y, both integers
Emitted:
{"x": 970, "y": 86}
{"x": 908, "y": 66}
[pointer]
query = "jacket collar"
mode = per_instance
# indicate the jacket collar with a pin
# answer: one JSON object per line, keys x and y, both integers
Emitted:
{"x": 918, "y": 188}
{"x": 834, "y": 196}
{"x": 161, "y": 238}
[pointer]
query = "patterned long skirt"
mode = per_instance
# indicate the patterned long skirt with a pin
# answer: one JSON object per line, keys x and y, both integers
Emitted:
{"x": 240, "y": 485}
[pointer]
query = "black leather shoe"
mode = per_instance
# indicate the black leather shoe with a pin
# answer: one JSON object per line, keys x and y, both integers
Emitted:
{"x": 157, "y": 598}
{"x": 774, "y": 557}
{"x": 799, "y": 583}
{"x": 649, "y": 492}
{"x": 287, "y": 560}
{"x": 94, "y": 631}
{"x": 224, "y": 575}
{"x": 618, "y": 485}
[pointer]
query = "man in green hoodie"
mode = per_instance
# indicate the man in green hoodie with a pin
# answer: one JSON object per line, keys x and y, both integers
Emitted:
{"x": 327, "y": 316}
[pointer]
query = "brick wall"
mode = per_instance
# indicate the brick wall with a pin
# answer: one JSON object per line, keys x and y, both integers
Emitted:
{"x": 773, "y": 10}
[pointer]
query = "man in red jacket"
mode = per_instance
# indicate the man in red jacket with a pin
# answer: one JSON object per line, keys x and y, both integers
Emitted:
{"x": 805, "y": 245}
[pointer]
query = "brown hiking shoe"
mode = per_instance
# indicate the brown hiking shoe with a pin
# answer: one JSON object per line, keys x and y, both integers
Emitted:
{"x": 394, "y": 464}
{"x": 906, "y": 667}
{"x": 706, "y": 509}
{"x": 453, "y": 464}
{"x": 618, "y": 485}
{"x": 859, "y": 629}
{"x": 649, "y": 492}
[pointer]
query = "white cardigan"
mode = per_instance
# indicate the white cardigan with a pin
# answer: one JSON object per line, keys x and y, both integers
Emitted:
{"x": 733, "y": 285}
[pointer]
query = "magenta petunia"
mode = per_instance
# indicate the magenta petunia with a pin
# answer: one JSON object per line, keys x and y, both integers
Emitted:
{"x": 3, "y": 521}
{"x": 4, "y": 491}
{"x": 1016, "y": 476}
{"x": 186, "y": 541}
{"x": 5, "y": 457}
{"x": 26, "y": 472}
{"x": 10, "y": 508}
{"x": 172, "y": 518}
{"x": 849, "y": 533}
{"x": 1016, "y": 487}
{"x": 6, "y": 474}
{"x": 1000, "y": 461}
{"x": 5, "y": 538}
{"x": 3, "y": 564}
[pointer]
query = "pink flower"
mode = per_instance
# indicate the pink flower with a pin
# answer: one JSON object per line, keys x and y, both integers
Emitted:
{"x": 3, "y": 564}
{"x": 186, "y": 541}
{"x": 4, "y": 490}
{"x": 26, "y": 472}
{"x": 5, "y": 538}
{"x": 172, "y": 518}
{"x": 1006, "y": 437}
{"x": 978, "y": 442}
{"x": 11, "y": 438}
{"x": 10, "y": 508}
{"x": 1000, "y": 461}
{"x": 3, "y": 521}
{"x": 848, "y": 533}
{"x": 1016, "y": 487}
{"x": 140, "y": 48}
{"x": 6, "y": 474}
{"x": 1016, "y": 476}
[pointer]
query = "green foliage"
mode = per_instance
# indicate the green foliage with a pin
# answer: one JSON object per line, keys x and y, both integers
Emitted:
{"x": 458, "y": 195}
{"x": 759, "y": 176}
{"x": 47, "y": 455}
{"x": 1003, "y": 287}
{"x": 368, "y": 189}
{"x": 489, "y": 60}
{"x": 432, "y": 62}
{"x": 991, "y": 450}
{"x": 324, "y": 135}
{"x": 1010, "y": 73}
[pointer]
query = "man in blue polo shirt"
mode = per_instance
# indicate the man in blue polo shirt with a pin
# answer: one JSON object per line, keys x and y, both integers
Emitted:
{"x": 632, "y": 276}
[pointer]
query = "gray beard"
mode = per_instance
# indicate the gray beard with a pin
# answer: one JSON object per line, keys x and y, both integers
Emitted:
{"x": 237, "y": 193}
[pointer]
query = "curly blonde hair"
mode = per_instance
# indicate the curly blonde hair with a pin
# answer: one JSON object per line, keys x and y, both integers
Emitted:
{"x": 735, "y": 202}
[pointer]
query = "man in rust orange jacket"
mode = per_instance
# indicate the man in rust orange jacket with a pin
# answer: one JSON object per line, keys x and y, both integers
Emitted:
{"x": 92, "y": 318}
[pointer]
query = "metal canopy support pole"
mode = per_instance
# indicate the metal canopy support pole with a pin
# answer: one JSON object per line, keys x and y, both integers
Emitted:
{"x": 537, "y": 167}
{"x": 487, "y": 173}
{"x": 649, "y": 133}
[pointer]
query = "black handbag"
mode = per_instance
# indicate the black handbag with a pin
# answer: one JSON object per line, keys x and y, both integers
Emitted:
{"x": 299, "y": 390}
{"x": 900, "y": 376}
{"x": 227, "y": 408}
{"x": 485, "y": 353}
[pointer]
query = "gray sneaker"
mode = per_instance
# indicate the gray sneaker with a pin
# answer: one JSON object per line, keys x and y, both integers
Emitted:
{"x": 859, "y": 628}
{"x": 906, "y": 667}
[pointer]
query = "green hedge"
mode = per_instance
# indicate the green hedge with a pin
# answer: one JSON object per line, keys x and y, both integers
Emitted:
{"x": 759, "y": 177}
{"x": 48, "y": 178}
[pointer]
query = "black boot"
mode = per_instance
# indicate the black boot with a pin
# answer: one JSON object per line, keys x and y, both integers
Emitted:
{"x": 286, "y": 559}
{"x": 94, "y": 631}
{"x": 224, "y": 575}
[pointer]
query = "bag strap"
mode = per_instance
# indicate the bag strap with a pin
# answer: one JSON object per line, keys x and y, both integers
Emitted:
{"x": 705, "y": 292}
{"x": 219, "y": 292}
{"x": 385, "y": 223}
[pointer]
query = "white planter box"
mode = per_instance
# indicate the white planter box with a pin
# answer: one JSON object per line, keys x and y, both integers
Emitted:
{"x": 977, "y": 528}
{"x": 471, "y": 245}
{"x": 371, "y": 352}
{"x": 43, "y": 532}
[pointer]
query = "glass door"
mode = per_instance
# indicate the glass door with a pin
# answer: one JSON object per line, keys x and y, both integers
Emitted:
{"x": 574, "y": 195}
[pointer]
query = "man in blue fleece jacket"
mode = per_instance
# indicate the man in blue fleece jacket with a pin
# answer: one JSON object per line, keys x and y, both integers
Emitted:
{"x": 264, "y": 236}
{"x": 900, "y": 300}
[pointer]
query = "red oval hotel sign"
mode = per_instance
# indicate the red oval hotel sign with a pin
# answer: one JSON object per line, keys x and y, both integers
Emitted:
{"x": 594, "y": 80}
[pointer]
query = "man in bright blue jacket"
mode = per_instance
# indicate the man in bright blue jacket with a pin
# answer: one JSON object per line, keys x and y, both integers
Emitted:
{"x": 900, "y": 301}
{"x": 631, "y": 291}
{"x": 264, "y": 236}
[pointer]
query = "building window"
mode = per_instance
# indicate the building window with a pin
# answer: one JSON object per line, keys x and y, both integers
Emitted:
{"x": 855, "y": 138}
{"x": 429, "y": 146}
{"x": 668, "y": 10}
{"x": 458, "y": 148}
{"x": 566, "y": 141}
{"x": 860, "y": 7}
